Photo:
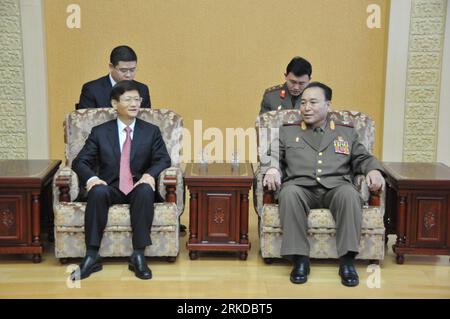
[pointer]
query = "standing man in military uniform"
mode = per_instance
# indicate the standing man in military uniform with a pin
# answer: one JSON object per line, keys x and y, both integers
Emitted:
{"x": 318, "y": 159}
{"x": 287, "y": 95}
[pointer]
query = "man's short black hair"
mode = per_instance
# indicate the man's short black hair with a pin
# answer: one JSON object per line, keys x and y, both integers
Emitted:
{"x": 122, "y": 87}
{"x": 299, "y": 66}
{"x": 327, "y": 91}
{"x": 122, "y": 53}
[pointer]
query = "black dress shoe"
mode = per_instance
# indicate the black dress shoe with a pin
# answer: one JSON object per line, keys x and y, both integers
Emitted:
{"x": 300, "y": 272}
{"x": 139, "y": 266}
{"x": 182, "y": 228}
{"x": 88, "y": 266}
{"x": 349, "y": 276}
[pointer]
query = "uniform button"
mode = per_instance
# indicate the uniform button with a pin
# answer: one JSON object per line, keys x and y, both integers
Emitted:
{"x": 320, "y": 153}
{"x": 319, "y": 171}
{"x": 319, "y": 161}
{"x": 318, "y": 178}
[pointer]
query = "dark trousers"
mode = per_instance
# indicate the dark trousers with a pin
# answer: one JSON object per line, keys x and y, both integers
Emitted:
{"x": 101, "y": 197}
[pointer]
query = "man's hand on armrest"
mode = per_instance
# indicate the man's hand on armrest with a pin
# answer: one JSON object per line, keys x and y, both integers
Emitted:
{"x": 375, "y": 180}
{"x": 272, "y": 179}
{"x": 147, "y": 179}
{"x": 94, "y": 181}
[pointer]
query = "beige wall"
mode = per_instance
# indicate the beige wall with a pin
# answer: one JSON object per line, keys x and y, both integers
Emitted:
{"x": 212, "y": 59}
{"x": 13, "y": 109}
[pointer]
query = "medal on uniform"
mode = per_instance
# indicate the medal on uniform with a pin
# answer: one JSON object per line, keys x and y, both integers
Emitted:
{"x": 341, "y": 146}
{"x": 279, "y": 107}
{"x": 282, "y": 94}
{"x": 297, "y": 139}
{"x": 303, "y": 125}
{"x": 332, "y": 126}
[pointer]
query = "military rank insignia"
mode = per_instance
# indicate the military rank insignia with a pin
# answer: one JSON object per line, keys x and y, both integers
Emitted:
{"x": 303, "y": 125}
{"x": 282, "y": 94}
{"x": 332, "y": 125}
{"x": 341, "y": 146}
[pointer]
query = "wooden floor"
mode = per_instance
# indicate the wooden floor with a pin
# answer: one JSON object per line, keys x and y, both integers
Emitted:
{"x": 223, "y": 276}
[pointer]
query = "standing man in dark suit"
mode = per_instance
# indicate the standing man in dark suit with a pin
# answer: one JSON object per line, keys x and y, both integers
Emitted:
{"x": 122, "y": 66}
{"x": 119, "y": 164}
{"x": 317, "y": 160}
{"x": 287, "y": 96}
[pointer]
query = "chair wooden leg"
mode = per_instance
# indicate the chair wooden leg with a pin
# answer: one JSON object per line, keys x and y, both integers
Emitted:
{"x": 171, "y": 259}
{"x": 63, "y": 261}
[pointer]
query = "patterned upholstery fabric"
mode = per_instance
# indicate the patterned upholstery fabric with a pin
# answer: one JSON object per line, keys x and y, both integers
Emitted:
{"x": 78, "y": 125}
{"x": 69, "y": 231}
{"x": 321, "y": 225}
{"x": 69, "y": 216}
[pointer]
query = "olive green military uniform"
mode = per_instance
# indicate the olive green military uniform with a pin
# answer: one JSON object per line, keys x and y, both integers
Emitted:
{"x": 278, "y": 98}
{"x": 318, "y": 170}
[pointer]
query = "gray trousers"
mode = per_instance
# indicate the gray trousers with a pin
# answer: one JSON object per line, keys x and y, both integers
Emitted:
{"x": 345, "y": 204}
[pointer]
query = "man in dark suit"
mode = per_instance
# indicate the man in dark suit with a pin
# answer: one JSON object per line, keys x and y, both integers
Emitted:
{"x": 317, "y": 159}
{"x": 122, "y": 66}
{"x": 119, "y": 164}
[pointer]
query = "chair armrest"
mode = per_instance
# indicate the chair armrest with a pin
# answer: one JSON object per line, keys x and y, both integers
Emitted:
{"x": 261, "y": 195}
{"x": 379, "y": 199}
{"x": 171, "y": 186}
{"x": 170, "y": 183}
{"x": 370, "y": 198}
{"x": 361, "y": 185}
{"x": 65, "y": 185}
{"x": 375, "y": 198}
{"x": 269, "y": 196}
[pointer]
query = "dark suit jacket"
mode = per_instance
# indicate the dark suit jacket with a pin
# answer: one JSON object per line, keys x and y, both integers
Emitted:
{"x": 96, "y": 94}
{"x": 100, "y": 155}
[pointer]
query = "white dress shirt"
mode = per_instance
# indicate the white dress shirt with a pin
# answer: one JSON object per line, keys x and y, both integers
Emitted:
{"x": 122, "y": 134}
{"x": 112, "y": 80}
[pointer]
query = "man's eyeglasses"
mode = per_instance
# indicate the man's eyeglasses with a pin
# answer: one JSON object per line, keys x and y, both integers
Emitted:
{"x": 129, "y": 100}
{"x": 125, "y": 71}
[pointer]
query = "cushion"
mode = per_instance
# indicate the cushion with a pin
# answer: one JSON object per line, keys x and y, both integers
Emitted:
{"x": 72, "y": 215}
{"x": 322, "y": 218}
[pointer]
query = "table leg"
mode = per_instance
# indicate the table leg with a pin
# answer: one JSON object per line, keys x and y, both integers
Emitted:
{"x": 36, "y": 230}
{"x": 193, "y": 220}
{"x": 37, "y": 258}
{"x": 400, "y": 259}
{"x": 244, "y": 219}
{"x": 193, "y": 255}
{"x": 401, "y": 228}
{"x": 243, "y": 255}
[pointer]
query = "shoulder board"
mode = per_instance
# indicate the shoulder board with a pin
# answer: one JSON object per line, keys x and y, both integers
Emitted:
{"x": 292, "y": 124}
{"x": 274, "y": 88}
{"x": 345, "y": 124}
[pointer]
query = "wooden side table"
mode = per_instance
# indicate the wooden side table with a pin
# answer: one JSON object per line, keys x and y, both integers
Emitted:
{"x": 218, "y": 218}
{"x": 418, "y": 208}
{"x": 22, "y": 183}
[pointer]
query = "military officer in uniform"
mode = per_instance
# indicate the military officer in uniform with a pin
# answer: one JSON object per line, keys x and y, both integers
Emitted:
{"x": 287, "y": 95}
{"x": 317, "y": 160}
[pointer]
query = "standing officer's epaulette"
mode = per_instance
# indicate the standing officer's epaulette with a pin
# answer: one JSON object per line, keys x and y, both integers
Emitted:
{"x": 345, "y": 124}
{"x": 274, "y": 88}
